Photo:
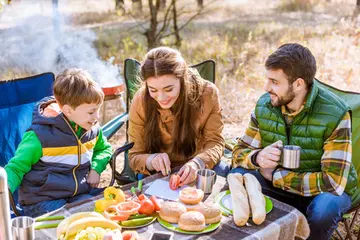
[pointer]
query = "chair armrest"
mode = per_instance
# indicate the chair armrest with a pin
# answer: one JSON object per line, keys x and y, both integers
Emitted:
{"x": 121, "y": 149}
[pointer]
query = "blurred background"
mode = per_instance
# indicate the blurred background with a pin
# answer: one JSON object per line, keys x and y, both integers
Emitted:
{"x": 50, "y": 35}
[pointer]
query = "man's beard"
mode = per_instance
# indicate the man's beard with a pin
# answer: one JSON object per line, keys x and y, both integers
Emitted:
{"x": 290, "y": 95}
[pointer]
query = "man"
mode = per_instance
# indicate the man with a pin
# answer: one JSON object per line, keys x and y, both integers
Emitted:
{"x": 295, "y": 111}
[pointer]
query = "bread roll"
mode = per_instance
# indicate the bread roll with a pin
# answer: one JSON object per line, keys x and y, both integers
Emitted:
{"x": 239, "y": 199}
{"x": 256, "y": 198}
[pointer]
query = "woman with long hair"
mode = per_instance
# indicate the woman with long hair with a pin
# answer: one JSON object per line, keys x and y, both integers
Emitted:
{"x": 175, "y": 118}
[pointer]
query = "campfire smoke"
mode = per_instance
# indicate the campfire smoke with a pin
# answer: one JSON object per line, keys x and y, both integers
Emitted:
{"x": 37, "y": 44}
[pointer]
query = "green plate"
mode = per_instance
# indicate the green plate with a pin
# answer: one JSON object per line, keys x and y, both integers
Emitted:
{"x": 223, "y": 199}
{"x": 138, "y": 226}
{"x": 174, "y": 227}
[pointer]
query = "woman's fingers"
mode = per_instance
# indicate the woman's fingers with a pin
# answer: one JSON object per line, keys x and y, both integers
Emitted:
{"x": 185, "y": 173}
{"x": 167, "y": 163}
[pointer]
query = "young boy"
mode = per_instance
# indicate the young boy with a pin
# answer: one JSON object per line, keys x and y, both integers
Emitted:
{"x": 62, "y": 155}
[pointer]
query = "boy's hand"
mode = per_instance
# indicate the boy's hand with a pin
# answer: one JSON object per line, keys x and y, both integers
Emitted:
{"x": 93, "y": 178}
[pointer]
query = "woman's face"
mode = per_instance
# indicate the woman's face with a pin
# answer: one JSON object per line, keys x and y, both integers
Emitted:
{"x": 164, "y": 89}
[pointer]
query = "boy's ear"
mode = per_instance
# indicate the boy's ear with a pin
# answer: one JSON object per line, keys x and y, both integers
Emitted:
{"x": 66, "y": 109}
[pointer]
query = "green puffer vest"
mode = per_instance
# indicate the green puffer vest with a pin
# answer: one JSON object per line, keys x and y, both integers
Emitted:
{"x": 310, "y": 128}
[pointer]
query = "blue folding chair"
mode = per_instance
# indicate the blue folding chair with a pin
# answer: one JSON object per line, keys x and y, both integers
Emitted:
{"x": 17, "y": 100}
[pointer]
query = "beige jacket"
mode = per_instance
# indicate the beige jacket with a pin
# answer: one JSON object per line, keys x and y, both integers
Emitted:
{"x": 209, "y": 144}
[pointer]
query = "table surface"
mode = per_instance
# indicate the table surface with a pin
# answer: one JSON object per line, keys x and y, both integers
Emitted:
{"x": 283, "y": 222}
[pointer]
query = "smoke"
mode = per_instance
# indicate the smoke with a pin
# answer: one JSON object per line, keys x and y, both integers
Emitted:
{"x": 31, "y": 42}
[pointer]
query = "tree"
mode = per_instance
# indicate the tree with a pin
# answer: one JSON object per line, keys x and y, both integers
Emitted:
{"x": 162, "y": 24}
{"x": 200, "y": 3}
{"x": 137, "y": 6}
{"x": 119, "y": 4}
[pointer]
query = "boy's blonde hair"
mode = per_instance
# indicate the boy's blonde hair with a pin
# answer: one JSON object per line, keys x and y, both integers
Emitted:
{"x": 75, "y": 86}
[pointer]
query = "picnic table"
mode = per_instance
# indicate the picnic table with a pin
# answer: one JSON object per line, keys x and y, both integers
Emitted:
{"x": 283, "y": 222}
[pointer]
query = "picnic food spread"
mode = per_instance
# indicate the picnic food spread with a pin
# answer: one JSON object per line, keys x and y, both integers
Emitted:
{"x": 118, "y": 210}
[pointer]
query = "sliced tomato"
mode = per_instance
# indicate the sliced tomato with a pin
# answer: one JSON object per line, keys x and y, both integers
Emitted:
{"x": 156, "y": 203}
{"x": 119, "y": 218}
{"x": 142, "y": 197}
{"x": 174, "y": 181}
{"x": 147, "y": 207}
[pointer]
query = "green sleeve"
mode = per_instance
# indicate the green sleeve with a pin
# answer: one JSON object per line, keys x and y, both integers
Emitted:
{"x": 102, "y": 153}
{"x": 27, "y": 154}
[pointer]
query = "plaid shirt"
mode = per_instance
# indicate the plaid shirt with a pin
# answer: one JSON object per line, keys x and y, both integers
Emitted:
{"x": 335, "y": 161}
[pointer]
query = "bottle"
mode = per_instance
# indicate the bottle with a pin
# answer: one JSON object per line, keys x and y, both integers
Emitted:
{"x": 5, "y": 229}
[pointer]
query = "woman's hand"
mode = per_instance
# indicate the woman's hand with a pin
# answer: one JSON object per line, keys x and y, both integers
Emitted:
{"x": 93, "y": 178}
{"x": 188, "y": 173}
{"x": 161, "y": 162}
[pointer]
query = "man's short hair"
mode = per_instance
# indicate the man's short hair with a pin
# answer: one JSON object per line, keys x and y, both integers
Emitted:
{"x": 295, "y": 60}
{"x": 75, "y": 86}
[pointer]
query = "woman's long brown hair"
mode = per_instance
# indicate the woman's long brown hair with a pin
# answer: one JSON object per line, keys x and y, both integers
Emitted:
{"x": 162, "y": 61}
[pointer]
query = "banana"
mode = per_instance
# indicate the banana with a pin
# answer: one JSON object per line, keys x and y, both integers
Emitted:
{"x": 61, "y": 229}
{"x": 83, "y": 223}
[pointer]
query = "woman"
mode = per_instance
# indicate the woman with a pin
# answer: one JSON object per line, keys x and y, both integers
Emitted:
{"x": 175, "y": 119}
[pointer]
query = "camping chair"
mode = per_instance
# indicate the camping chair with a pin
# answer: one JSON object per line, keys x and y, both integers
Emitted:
{"x": 206, "y": 70}
{"x": 17, "y": 101}
{"x": 353, "y": 100}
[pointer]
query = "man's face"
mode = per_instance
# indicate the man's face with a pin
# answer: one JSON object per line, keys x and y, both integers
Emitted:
{"x": 164, "y": 89}
{"x": 277, "y": 84}
{"x": 84, "y": 115}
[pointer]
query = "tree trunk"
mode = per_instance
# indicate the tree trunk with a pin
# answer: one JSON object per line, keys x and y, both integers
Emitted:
{"x": 151, "y": 32}
{"x": 200, "y": 3}
{"x": 119, "y": 4}
{"x": 176, "y": 28}
{"x": 162, "y": 5}
{"x": 137, "y": 6}
{"x": 358, "y": 3}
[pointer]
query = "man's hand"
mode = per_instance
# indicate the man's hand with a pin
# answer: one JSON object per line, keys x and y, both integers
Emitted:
{"x": 267, "y": 173}
{"x": 188, "y": 173}
{"x": 93, "y": 178}
{"x": 162, "y": 163}
{"x": 270, "y": 155}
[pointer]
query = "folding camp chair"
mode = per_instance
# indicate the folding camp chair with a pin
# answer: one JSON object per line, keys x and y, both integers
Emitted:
{"x": 353, "y": 100}
{"x": 17, "y": 101}
{"x": 206, "y": 70}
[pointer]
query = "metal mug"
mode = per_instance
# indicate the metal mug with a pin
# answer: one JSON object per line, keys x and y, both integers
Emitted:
{"x": 290, "y": 157}
{"x": 23, "y": 228}
{"x": 205, "y": 180}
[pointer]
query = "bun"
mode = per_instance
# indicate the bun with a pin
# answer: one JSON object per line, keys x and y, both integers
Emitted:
{"x": 239, "y": 199}
{"x": 211, "y": 213}
{"x": 256, "y": 198}
{"x": 171, "y": 211}
{"x": 192, "y": 221}
{"x": 194, "y": 207}
{"x": 191, "y": 195}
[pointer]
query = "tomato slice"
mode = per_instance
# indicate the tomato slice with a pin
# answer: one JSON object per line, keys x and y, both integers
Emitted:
{"x": 174, "y": 181}
{"x": 142, "y": 197}
{"x": 156, "y": 203}
{"x": 119, "y": 218}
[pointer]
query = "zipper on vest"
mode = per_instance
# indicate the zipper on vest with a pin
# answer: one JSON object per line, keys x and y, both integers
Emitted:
{"x": 288, "y": 133}
{"x": 79, "y": 156}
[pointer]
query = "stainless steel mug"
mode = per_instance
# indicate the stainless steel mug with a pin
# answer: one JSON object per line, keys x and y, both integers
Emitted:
{"x": 23, "y": 228}
{"x": 205, "y": 180}
{"x": 5, "y": 232}
{"x": 290, "y": 157}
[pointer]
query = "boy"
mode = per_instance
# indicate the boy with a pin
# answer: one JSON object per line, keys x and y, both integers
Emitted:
{"x": 62, "y": 155}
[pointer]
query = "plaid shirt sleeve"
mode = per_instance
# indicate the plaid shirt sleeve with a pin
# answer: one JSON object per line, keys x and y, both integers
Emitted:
{"x": 335, "y": 167}
{"x": 247, "y": 145}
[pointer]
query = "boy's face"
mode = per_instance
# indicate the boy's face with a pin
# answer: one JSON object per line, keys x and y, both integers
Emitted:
{"x": 85, "y": 115}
